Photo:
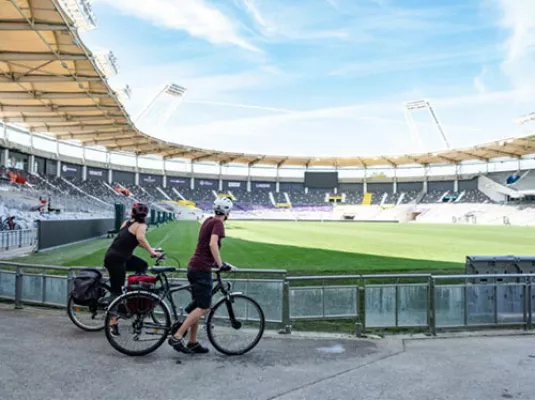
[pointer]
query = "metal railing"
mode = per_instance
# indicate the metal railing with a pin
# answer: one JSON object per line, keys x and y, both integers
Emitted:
{"x": 421, "y": 301}
{"x": 18, "y": 238}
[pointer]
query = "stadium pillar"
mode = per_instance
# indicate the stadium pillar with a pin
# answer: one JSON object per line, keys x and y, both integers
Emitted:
{"x": 110, "y": 176}
{"x": 164, "y": 181}
{"x": 192, "y": 181}
{"x": 58, "y": 171}
{"x": 31, "y": 141}
{"x": 31, "y": 164}
{"x": 136, "y": 177}
{"x": 277, "y": 180}
{"x": 5, "y": 133}
{"x": 395, "y": 181}
{"x": 365, "y": 182}
{"x": 220, "y": 187}
{"x": 84, "y": 172}
{"x": 6, "y": 156}
{"x": 249, "y": 177}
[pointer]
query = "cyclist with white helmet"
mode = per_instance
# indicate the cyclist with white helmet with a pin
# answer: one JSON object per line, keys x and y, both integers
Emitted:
{"x": 200, "y": 276}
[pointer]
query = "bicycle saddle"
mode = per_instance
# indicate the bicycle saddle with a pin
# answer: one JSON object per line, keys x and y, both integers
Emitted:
{"x": 160, "y": 270}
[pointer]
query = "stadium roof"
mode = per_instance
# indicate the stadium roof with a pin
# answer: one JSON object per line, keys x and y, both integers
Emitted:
{"x": 50, "y": 82}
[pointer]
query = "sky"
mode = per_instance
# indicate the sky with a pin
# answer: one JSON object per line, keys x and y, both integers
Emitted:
{"x": 323, "y": 77}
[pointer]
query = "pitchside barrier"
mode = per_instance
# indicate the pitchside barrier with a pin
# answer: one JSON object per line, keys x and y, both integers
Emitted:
{"x": 56, "y": 233}
{"x": 420, "y": 301}
{"x": 18, "y": 239}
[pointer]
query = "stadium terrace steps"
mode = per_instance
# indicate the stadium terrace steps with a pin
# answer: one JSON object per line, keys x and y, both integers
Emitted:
{"x": 367, "y": 200}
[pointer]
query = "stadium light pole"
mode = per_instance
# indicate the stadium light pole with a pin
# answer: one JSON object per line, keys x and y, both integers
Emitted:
{"x": 421, "y": 105}
{"x": 176, "y": 91}
{"x": 525, "y": 119}
{"x": 80, "y": 12}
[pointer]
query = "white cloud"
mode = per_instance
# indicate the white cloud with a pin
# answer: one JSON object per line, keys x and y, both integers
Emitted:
{"x": 193, "y": 16}
{"x": 519, "y": 19}
{"x": 413, "y": 61}
{"x": 282, "y": 20}
{"x": 360, "y": 129}
{"x": 479, "y": 83}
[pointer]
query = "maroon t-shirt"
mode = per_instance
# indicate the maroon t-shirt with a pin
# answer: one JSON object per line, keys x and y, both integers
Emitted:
{"x": 202, "y": 259}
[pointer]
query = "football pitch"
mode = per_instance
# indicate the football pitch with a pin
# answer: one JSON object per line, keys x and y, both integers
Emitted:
{"x": 324, "y": 248}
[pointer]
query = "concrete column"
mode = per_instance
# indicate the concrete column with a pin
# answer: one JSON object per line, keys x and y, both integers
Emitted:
{"x": 5, "y": 133}
{"x": 136, "y": 177}
{"x": 164, "y": 181}
{"x": 58, "y": 171}
{"x": 6, "y": 156}
{"x": 31, "y": 164}
{"x": 192, "y": 182}
{"x": 220, "y": 188}
{"x": 456, "y": 185}
{"x": 84, "y": 172}
{"x": 110, "y": 176}
{"x": 365, "y": 182}
{"x": 249, "y": 178}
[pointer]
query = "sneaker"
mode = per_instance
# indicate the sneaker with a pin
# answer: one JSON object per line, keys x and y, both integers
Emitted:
{"x": 197, "y": 348}
{"x": 179, "y": 345}
{"x": 114, "y": 330}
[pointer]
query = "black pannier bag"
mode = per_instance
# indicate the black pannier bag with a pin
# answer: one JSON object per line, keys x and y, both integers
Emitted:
{"x": 86, "y": 288}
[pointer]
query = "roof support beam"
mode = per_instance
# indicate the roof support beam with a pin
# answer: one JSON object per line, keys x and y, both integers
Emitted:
{"x": 89, "y": 140}
{"x": 24, "y": 26}
{"x": 473, "y": 155}
{"x": 73, "y": 135}
{"x": 97, "y": 136}
{"x": 47, "y": 78}
{"x": 389, "y": 161}
{"x": 174, "y": 154}
{"x": 44, "y": 108}
{"x": 503, "y": 153}
{"x": 81, "y": 128}
{"x": 231, "y": 159}
{"x": 18, "y": 56}
{"x": 282, "y": 162}
{"x": 203, "y": 157}
{"x": 59, "y": 119}
{"x": 51, "y": 95}
{"x": 254, "y": 162}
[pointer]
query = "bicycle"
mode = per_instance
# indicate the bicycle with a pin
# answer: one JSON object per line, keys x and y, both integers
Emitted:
{"x": 95, "y": 313}
{"x": 152, "y": 320}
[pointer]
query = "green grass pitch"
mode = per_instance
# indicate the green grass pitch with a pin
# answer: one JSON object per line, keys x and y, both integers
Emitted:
{"x": 325, "y": 248}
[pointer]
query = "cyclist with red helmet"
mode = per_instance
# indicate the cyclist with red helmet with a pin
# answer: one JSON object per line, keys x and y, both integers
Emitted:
{"x": 119, "y": 258}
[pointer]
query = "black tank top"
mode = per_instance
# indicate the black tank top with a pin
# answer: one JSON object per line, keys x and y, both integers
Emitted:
{"x": 124, "y": 243}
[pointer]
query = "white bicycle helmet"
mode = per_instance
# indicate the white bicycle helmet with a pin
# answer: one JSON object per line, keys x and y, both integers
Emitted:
{"x": 222, "y": 206}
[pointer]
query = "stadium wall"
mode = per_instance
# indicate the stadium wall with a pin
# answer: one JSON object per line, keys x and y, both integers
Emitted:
{"x": 56, "y": 233}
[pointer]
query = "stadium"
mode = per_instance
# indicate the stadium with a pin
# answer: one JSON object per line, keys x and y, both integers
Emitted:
{"x": 71, "y": 151}
{"x": 327, "y": 236}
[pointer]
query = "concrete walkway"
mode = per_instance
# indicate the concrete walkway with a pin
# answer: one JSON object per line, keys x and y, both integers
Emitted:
{"x": 44, "y": 356}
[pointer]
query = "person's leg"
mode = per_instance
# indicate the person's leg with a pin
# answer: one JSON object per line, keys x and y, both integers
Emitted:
{"x": 201, "y": 290}
{"x": 117, "y": 273}
{"x": 136, "y": 264}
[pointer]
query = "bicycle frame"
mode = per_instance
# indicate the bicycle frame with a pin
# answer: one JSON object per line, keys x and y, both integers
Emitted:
{"x": 166, "y": 290}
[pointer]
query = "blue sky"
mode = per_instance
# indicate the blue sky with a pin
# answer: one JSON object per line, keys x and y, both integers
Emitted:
{"x": 324, "y": 77}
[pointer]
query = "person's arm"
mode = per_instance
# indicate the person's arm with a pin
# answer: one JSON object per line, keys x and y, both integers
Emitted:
{"x": 142, "y": 240}
{"x": 214, "y": 248}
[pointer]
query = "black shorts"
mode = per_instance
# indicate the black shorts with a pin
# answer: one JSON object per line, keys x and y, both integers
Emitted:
{"x": 201, "y": 289}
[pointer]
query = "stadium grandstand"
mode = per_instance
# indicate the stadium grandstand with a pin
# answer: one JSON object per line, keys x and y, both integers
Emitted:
{"x": 69, "y": 149}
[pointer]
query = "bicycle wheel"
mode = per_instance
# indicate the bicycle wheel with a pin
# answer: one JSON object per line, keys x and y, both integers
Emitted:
{"x": 90, "y": 318}
{"x": 139, "y": 333}
{"x": 235, "y": 326}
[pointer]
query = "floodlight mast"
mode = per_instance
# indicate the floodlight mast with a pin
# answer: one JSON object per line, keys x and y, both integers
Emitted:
{"x": 525, "y": 119}
{"x": 419, "y": 105}
{"x": 176, "y": 91}
{"x": 81, "y": 13}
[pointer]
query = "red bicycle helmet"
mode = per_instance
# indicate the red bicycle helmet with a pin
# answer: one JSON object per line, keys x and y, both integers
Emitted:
{"x": 140, "y": 210}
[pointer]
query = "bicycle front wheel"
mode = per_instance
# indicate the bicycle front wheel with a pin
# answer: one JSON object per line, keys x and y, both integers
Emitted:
{"x": 235, "y": 325}
{"x": 138, "y": 333}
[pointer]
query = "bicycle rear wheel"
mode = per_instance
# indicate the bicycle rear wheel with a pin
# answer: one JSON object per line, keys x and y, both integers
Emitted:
{"x": 235, "y": 326}
{"x": 139, "y": 332}
{"x": 90, "y": 318}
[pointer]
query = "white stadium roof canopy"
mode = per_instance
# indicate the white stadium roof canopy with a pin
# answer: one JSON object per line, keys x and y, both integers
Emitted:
{"x": 50, "y": 82}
